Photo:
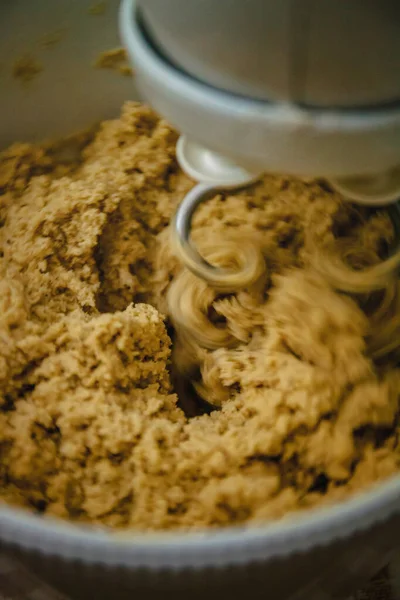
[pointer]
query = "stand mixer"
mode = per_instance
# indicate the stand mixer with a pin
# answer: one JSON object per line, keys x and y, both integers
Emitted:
{"x": 307, "y": 88}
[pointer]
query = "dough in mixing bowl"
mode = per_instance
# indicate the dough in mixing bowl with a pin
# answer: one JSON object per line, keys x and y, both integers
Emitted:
{"x": 297, "y": 378}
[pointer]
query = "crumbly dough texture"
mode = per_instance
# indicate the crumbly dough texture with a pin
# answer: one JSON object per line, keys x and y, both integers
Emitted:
{"x": 294, "y": 409}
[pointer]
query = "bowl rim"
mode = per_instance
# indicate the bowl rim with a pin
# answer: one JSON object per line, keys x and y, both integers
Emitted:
{"x": 222, "y": 547}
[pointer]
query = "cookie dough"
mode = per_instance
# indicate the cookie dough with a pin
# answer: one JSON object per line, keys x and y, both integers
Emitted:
{"x": 133, "y": 395}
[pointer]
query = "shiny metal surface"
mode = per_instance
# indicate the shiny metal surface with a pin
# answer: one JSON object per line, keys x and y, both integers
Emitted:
{"x": 316, "y": 52}
{"x": 262, "y": 136}
{"x": 69, "y": 93}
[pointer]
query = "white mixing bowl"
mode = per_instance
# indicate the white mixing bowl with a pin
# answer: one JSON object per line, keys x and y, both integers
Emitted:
{"x": 320, "y": 554}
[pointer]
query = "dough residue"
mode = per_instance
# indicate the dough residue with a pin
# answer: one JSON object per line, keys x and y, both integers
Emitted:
{"x": 97, "y": 9}
{"x": 115, "y": 59}
{"x": 26, "y": 68}
{"x": 136, "y": 396}
{"x": 50, "y": 40}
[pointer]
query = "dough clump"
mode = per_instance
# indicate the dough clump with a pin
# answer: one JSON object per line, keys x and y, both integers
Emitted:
{"x": 135, "y": 396}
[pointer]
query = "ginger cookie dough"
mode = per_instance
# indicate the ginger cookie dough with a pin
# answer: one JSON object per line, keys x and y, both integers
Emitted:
{"x": 135, "y": 396}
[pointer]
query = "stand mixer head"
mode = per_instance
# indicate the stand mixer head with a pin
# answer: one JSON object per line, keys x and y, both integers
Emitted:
{"x": 300, "y": 87}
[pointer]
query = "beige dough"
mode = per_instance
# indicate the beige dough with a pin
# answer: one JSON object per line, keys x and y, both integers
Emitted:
{"x": 297, "y": 378}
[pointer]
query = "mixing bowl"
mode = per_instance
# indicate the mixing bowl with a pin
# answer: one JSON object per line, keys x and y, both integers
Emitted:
{"x": 325, "y": 553}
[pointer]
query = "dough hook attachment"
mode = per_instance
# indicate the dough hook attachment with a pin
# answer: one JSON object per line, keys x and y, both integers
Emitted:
{"x": 251, "y": 264}
{"x": 216, "y": 174}
{"x": 251, "y": 268}
{"x": 376, "y": 190}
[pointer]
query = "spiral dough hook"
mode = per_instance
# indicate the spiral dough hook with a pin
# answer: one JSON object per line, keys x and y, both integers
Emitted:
{"x": 249, "y": 260}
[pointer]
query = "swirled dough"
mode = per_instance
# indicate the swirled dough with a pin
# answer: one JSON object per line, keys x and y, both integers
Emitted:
{"x": 103, "y": 333}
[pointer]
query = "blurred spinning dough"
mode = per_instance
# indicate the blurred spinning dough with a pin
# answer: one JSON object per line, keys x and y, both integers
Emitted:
{"x": 296, "y": 377}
